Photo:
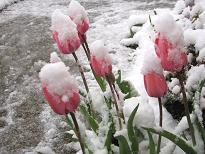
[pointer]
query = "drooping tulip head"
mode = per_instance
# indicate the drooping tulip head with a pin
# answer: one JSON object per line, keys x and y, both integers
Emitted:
{"x": 101, "y": 61}
{"x": 59, "y": 88}
{"x": 65, "y": 33}
{"x": 170, "y": 43}
{"x": 79, "y": 16}
{"x": 154, "y": 80}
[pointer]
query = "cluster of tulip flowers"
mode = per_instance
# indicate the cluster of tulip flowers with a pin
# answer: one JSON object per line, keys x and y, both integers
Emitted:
{"x": 59, "y": 87}
{"x": 155, "y": 82}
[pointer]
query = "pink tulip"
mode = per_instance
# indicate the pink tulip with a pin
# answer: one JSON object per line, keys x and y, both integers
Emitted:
{"x": 59, "y": 105}
{"x": 170, "y": 55}
{"x": 101, "y": 67}
{"x": 59, "y": 88}
{"x": 79, "y": 16}
{"x": 155, "y": 84}
{"x": 69, "y": 46}
{"x": 65, "y": 33}
{"x": 101, "y": 61}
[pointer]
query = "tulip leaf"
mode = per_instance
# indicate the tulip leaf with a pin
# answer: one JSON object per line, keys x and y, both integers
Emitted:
{"x": 200, "y": 128}
{"x": 174, "y": 138}
{"x": 123, "y": 145}
{"x": 131, "y": 133}
{"x": 109, "y": 136}
{"x": 151, "y": 144}
{"x": 91, "y": 120}
{"x": 101, "y": 82}
{"x": 126, "y": 87}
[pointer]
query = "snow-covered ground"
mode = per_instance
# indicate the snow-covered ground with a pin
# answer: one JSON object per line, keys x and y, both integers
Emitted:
{"x": 26, "y": 123}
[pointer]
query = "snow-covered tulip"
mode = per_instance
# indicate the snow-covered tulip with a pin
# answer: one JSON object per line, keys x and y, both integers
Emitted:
{"x": 100, "y": 59}
{"x": 170, "y": 43}
{"x": 79, "y": 16}
{"x": 65, "y": 33}
{"x": 154, "y": 80}
{"x": 155, "y": 84}
{"x": 171, "y": 57}
{"x": 59, "y": 88}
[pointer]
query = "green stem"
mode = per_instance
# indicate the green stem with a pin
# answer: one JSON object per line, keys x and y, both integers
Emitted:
{"x": 84, "y": 82}
{"x": 186, "y": 108}
{"x": 77, "y": 131}
{"x": 87, "y": 52}
{"x": 115, "y": 102}
{"x": 160, "y": 123}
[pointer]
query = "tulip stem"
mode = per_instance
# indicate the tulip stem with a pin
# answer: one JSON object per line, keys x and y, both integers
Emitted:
{"x": 186, "y": 108}
{"x": 160, "y": 123}
{"x": 84, "y": 81}
{"x": 115, "y": 101}
{"x": 87, "y": 52}
{"x": 77, "y": 131}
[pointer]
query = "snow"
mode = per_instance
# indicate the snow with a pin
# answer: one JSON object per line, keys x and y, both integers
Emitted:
{"x": 54, "y": 58}
{"x": 148, "y": 118}
{"x": 179, "y": 6}
{"x": 64, "y": 26}
{"x": 57, "y": 79}
{"x": 166, "y": 25}
{"x": 100, "y": 51}
{"x": 195, "y": 37}
{"x": 77, "y": 12}
{"x": 202, "y": 99}
{"x": 4, "y": 3}
{"x": 151, "y": 64}
{"x": 195, "y": 76}
{"x": 136, "y": 20}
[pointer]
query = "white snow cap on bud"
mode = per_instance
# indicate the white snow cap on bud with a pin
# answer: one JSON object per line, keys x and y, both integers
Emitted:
{"x": 64, "y": 26}
{"x": 167, "y": 26}
{"x": 54, "y": 58}
{"x": 100, "y": 51}
{"x": 57, "y": 79}
{"x": 77, "y": 12}
{"x": 151, "y": 64}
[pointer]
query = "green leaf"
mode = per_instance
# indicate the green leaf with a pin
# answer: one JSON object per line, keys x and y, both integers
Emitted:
{"x": 174, "y": 138}
{"x": 126, "y": 87}
{"x": 91, "y": 120}
{"x": 131, "y": 134}
{"x": 151, "y": 144}
{"x": 69, "y": 121}
{"x": 101, "y": 81}
{"x": 124, "y": 146}
{"x": 200, "y": 128}
{"x": 109, "y": 136}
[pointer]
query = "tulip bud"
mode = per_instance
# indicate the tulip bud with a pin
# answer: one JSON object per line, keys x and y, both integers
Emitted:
{"x": 79, "y": 16}
{"x": 171, "y": 57}
{"x": 155, "y": 84}
{"x": 65, "y": 33}
{"x": 170, "y": 43}
{"x": 100, "y": 59}
{"x": 154, "y": 80}
{"x": 59, "y": 88}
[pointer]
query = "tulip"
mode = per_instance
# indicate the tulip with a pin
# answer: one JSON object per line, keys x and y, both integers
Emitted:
{"x": 59, "y": 88}
{"x": 155, "y": 84}
{"x": 79, "y": 16}
{"x": 65, "y": 33}
{"x": 100, "y": 59}
{"x": 172, "y": 58}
